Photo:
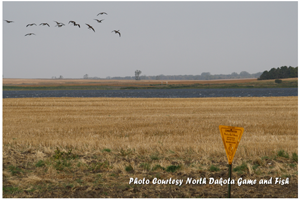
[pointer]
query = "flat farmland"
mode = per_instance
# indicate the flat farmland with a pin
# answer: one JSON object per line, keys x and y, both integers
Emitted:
{"x": 49, "y": 82}
{"x": 91, "y": 147}
{"x": 63, "y": 84}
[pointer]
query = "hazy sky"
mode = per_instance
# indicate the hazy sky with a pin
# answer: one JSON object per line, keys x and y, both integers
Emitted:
{"x": 170, "y": 38}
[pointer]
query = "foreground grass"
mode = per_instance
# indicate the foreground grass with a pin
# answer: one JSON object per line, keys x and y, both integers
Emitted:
{"x": 91, "y": 147}
{"x": 107, "y": 174}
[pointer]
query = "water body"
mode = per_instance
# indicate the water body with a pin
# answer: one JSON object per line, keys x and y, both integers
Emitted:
{"x": 157, "y": 93}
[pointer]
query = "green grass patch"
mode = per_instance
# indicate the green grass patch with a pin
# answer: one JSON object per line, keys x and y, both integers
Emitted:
{"x": 295, "y": 157}
{"x": 293, "y": 165}
{"x": 107, "y": 150}
{"x": 255, "y": 166}
{"x": 282, "y": 153}
{"x": 172, "y": 168}
{"x": 80, "y": 181}
{"x": 11, "y": 190}
{"x": 40, "y": 163}
{"x": 61, "y": 165}
{"x": 129, "y": 168}
{"x": 241, "y": 168}
{"x": 145, "y": 166}
{"x": 14, "y": 170}
{"x": 154, "y": 157}
{"x": 213, "y": 168}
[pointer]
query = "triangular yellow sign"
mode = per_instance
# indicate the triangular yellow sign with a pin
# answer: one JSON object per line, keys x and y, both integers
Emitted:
{"x": 231, "y": 137}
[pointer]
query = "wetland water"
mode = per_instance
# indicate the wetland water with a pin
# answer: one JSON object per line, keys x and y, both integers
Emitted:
{"x": 157, "y": 93}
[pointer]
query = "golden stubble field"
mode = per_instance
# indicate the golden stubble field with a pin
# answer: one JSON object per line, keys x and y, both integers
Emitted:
{"x": 92, "y": 146}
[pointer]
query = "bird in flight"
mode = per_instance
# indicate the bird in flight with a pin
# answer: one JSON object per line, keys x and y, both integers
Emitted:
{"x": 101, "y": 13}
{"x": 29, "y": 34}
{"x": 45, "y": 24}
{"x": 8, "y": 21}
{"x": 31, "y": 24}
{"x": 58, "y": 23}
{"x": 99, "y": 21}
{"x": 117, "y": 31}
{"x": 74, "y": 23}
{"x": 90, "y": 27}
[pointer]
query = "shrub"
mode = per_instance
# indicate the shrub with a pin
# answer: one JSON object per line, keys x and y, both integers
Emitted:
{"x": 278, "y": 81}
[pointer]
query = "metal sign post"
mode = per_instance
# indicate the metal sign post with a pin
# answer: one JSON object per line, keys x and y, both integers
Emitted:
{"x": 229, "y": 176}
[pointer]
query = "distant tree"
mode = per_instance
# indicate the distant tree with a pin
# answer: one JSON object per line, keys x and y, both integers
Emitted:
{"x": 137, "y": 74}
{"x": 206, "y": 75}
{"x": 293, "y": 71}
{"x": 85, "y": 76}
{"x": 244, "y": 74}
{"x": 61, "y": 77}
{"x": 282, "y": 72}
{"x": 234, "y": 74}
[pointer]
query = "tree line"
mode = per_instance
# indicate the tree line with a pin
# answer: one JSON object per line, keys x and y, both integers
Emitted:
{"x": 277, "y": 73}
{"x": 203, "y": 76}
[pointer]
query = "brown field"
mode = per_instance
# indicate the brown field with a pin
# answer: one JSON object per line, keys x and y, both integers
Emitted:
{"x": 91, "y": 147}
{"x": 91, "y": 82}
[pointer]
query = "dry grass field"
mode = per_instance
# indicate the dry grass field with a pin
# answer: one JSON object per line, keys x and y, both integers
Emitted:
{"x": 91, "y": 147}
{"x": 90, "y": 82}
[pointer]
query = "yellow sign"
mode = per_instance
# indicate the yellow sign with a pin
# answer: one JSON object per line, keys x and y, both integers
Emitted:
{"x": 231, "y": 137}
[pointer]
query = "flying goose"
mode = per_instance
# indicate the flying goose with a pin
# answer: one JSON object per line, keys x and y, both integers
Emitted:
{"x": 58, "y": 23}
{"x": 45, "y": 24}
{"x": 99, "y": 21}
{"x": 74, "y": 23}
{"x": 29, "y": 34}
{"x": 31, "y": 24}
{"x": 101, "y": 13}
{"x": 90, "y": 27}
{"x": 117, "y": 31}
{"x": 8, "y": 21}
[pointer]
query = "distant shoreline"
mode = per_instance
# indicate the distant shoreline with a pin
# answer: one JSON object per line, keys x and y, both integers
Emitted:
{"x": 94, "y": 84}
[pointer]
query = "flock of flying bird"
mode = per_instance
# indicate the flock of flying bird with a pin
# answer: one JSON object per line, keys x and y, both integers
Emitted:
{"x": 59, "y": 24}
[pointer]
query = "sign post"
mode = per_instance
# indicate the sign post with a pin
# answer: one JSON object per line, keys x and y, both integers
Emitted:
{"x": 231, "y": 137}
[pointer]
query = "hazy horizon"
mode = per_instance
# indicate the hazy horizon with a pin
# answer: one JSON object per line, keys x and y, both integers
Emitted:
{"x": 169, "y": 38}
